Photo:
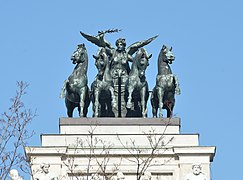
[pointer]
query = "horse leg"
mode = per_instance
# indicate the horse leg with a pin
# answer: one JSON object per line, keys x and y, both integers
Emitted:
{"x": 154, "y": 103}
{"x": 82, "y": 101}
{"x": 129, "y": 101}
{"x": 70, "y": 111}
{"x": 143, "y": 103}
{"x": 70, "y": 107}
{"x": 170, "y": 109}
{"x": 113, "y": 98}
{"x": 160, "y": 94}
{"x": 177, "y": 88}
{"x": 86, "y": 102}
{"x": 96, "y": 103}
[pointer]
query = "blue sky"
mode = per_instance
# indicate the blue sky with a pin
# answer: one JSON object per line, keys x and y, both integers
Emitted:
{"x": 37, "y": 39}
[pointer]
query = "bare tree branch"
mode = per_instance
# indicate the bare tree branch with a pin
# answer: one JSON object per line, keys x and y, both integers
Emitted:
{"x": 143, "y": 157}
{"x": 13, "y": 132}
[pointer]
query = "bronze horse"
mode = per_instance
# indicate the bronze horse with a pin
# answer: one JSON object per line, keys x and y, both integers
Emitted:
{"x": 75, "y": 88}
{"x": 102, "y": 88}
{"x": 137, "y": 81}
{"x": 163, "y": 94}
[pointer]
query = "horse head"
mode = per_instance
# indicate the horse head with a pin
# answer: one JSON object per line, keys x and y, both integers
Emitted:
{"x": 101, "y": 61}
{"x": 79, "y": 55}
{"x": 142, "y": 61}
{"x": 166, "y": 55}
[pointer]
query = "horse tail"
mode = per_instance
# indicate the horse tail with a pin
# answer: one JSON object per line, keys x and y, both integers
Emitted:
{"x": 63, "y": 91}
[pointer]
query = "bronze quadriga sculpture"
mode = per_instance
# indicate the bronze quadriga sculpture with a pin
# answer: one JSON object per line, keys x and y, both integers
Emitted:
{"x": 118, "y": 90}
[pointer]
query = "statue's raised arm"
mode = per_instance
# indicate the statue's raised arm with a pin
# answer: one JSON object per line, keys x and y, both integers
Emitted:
{"x": 135, "y": 46}
{"x": 99, "y": 40}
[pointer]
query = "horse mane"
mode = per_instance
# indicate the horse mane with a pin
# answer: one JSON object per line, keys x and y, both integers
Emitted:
{"x": 160, "y": 55}
{"x": 139, "y": 52}
{"x": 82, "y": 47}
{"x": 85, "y": 57}
{"x": 100, "y": 50}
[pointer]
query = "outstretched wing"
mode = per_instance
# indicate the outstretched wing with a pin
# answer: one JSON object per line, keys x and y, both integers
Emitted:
{"x": 97, "y": 40}
{"x": 135, "y": 46}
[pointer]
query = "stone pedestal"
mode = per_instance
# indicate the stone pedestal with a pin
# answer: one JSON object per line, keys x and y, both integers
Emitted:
{"x": 104, "y": 146}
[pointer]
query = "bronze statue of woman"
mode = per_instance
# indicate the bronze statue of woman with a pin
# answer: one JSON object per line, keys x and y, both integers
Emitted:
{"x": 120, "y": 56}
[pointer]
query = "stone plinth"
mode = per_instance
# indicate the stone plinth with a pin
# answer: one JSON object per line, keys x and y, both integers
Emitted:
{"x": 119, "y": 125}
{"x": 141, "y": 140}
{"x": 105, "y": 146}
